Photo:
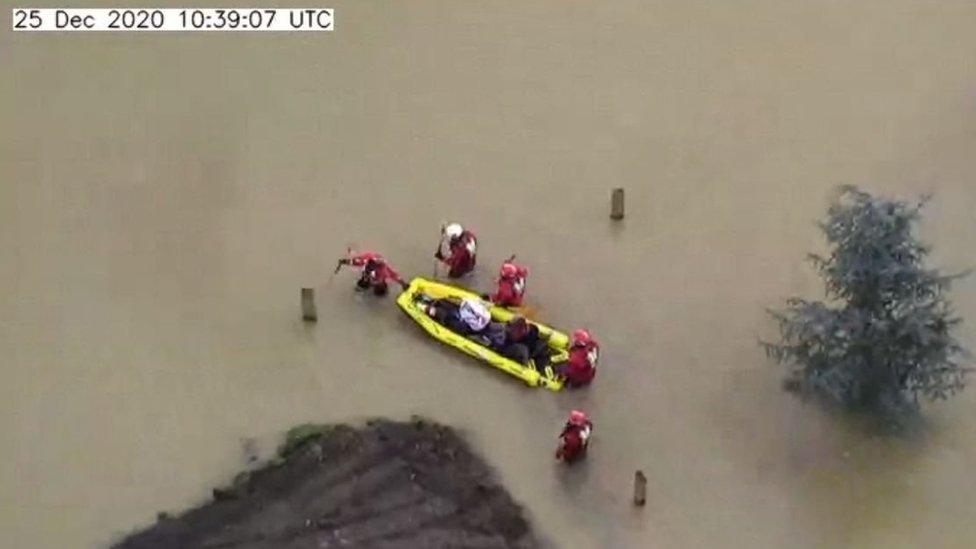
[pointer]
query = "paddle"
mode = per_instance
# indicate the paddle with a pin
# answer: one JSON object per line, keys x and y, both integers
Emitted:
{"x": 437, "y": 261}
{"x": 339, "y": 264}
{"x": 342, "y": 262}
{"x": 437, "y": 253}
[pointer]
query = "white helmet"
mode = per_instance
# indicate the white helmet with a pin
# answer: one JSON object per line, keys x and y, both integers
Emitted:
{"x": 453, "y": 230}
{"x": 475, "y": 314}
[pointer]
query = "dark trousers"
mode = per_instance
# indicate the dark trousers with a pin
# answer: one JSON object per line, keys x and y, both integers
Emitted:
{"x": 522, "y": 353}
{"x": 365, "y": 283}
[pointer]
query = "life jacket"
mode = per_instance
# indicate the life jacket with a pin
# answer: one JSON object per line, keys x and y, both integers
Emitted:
{"x": 463, "y": 252}
{"x": 469, "y": 242}
{"x": 511, "y": 290}
{"x": 575, "y": 439}
{"x": 582, "y": 363}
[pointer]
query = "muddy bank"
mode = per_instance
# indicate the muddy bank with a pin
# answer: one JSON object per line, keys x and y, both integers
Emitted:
{"x": 386, "y": 484}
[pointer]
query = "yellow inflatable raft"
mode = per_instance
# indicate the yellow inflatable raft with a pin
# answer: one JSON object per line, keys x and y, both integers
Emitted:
{"x": 558, "y": 341}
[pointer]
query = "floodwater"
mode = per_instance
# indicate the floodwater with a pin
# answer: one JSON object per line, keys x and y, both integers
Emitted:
{"x": 163, "y": 197}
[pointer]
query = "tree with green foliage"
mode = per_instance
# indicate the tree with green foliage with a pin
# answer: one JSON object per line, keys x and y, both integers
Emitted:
{"x": 884, "y": 337}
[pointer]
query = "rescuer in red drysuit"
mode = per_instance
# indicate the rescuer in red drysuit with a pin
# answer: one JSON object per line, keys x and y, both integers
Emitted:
{"x": 375, "y": 273}
{"x": 511, "y": 285}
{"x": 575, "y": 437}
{"x": 462, "y": 247}
{"x": 584, "y": 352}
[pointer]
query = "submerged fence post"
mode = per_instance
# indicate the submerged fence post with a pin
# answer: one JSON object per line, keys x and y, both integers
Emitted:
{"x": 640, "y": 488}
{"x": 617, "y": 204}
{"x": 308, "y": 305}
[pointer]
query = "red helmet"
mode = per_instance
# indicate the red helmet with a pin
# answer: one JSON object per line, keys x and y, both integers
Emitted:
{"x": 582, "y": 337}
{"x": 578, "y": 418}
{"x": 508, "y": 270}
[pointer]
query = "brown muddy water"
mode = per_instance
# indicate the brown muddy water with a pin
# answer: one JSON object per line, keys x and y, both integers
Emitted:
{"x": 163, "y": 197}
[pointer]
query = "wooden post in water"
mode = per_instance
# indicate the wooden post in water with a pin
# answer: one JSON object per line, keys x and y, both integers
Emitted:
{"x": 617, "y": 204}
{"x": 640, "y": 489}
{"x": 308, "y": 305}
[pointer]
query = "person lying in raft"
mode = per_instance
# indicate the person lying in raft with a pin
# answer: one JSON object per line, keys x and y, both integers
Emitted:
{"x": 457, "y": 249}
{"x": 511, "y": 285}
{"x": 375, "y": 272}
{"x": 524, "y": 342}
{"x": 470, "y": 319}
{"x": 580, "y": 369}
{"x": 467, "y": 318}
